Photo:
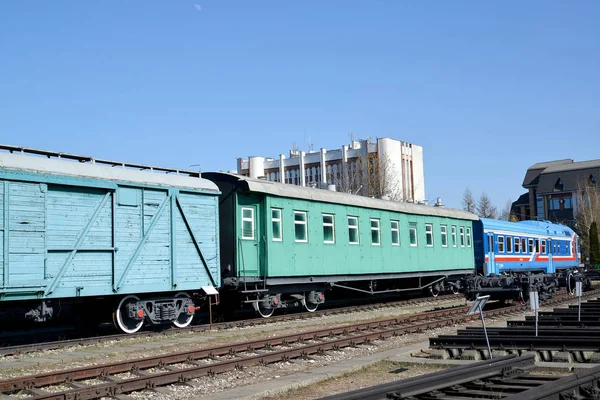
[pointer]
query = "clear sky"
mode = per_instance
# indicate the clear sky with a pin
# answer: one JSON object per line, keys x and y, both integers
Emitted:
{"x": 487, "y": 88}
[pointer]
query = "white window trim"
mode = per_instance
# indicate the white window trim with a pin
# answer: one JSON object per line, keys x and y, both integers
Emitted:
{"x": 245, "y": 219}
{"x": 429, "y": 231}
{"x": 454, "y": 238}
{"x": 469, "y": 238}
{"x": 530, "y": 246}
{"x": 461, "y": 230}
{"x": 305, "y": 223}
{"x": 355, "y": 227}
{"x": 397, "y": 230}
{"x": 332, "y": 225}
{"x": 509, "y": 239}
{"x": 378, "y": 229}
{"x": 515, "y": 245}
{"x": 280, "y": 220}
{"x": 503, "y": 248}
{"x": 413, "y": 228}
{"x": 444, "y": 234}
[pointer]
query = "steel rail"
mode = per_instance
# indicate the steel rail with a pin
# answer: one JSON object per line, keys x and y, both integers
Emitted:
{"x": 259, "y": 321}
{"x": 433, "y": 382}
{"x": 352, "y": 335}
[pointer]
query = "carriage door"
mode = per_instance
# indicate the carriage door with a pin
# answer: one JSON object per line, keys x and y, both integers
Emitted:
{"x": 550, "y": 251}
{"x": 248, "y": 242}
{"x": 491, "y": 264}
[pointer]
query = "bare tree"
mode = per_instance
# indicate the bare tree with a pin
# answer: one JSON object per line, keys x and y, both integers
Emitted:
{"x": 587, "y": 199}
{"x": 485, "y": 208}
{"x": 468, "y": 202}
{"x": 390, "y": 179}
{"x": 506, "y": 215}
{"x": 375, "y": 177}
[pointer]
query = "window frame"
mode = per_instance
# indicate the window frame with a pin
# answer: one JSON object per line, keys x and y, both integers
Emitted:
{"x": 397, "y": 230}
{"x": 329, "y": 225}
{"x": 524, "y": 245}
{"x": 353, "y": 227}
{"x": 454, "y": 238}
{"x": 376, "y": 229}
{"x": 543, "y": 247}
{"x": 429, "y": 234}
{"x": 461, "y": 231}
{"x": 444, "y": 235}
{"x": 305, "y": 223}
{"x": 469, "y": 238}
{"x": 517, "y": 245}
{"x": 500, "y": 241}
{"x": 509, "y": 244}
{"x": 246, "y": 219}
{"x": 277, "y": 220}
{"x": 530, "y": 246}
{"x": 412, "y": 227}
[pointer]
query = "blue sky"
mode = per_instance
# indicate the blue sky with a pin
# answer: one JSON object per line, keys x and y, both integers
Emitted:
{"x": 487, "y": 88}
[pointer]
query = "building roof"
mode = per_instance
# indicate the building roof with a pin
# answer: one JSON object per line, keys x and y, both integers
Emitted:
{"x": 523, "y": 200}
{"x": 561, "y": 179}
{"x": 54, "y": 166}
{"x": 313, "y": 194}
{"x": 533, "y": 172}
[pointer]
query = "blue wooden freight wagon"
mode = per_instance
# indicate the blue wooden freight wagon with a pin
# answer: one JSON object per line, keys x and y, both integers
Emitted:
{"x": 74, "y": 229}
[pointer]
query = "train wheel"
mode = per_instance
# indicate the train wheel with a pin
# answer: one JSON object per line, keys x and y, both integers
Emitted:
{"x": 184, "y": 319}
{"x": 122, "y": 321}
{"x": 310, "y": 307}
{"x": 435, "y": 290}
{"x": 264, "y": 312}
{"x": 455, "y": 289}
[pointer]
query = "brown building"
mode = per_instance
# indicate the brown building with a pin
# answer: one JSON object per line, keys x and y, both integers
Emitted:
{"x": 552, "y": 187}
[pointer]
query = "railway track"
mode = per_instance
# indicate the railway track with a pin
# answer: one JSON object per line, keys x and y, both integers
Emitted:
{"x": 61, "y": 340}
{"x": 562, "y": 335}
{"x": 97, "y": 381}
{"x": 506, "y": 377}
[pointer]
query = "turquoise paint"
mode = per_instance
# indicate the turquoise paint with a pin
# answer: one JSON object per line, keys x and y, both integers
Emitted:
{"x": 141, "y": 243}
{"x": 6, "y": 231}
{"x": 80, "y": 240}
{"x": 197, "y": 244}
{"x": 51, "y": 226}
{"x": 288, "y": 258}
{"x": 173, "y": 242}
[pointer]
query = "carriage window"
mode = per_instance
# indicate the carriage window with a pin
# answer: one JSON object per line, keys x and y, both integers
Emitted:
{"x": 524, "y": 245}
{"x": 500, "y": 244}
{"x": 375, "y": 232}
{"x": 453, "y": 235}
{"x": 517, "y": 245}
{"x": 537, "y": 245}
{"x": 531, "y": 245}
{"x": 247, "y": 223}
{"x": 429, "y": 234}
{"x": 395, "y": 233}
{"x": 353, "y": 230}
{"x": 462, "y": 236}
{"x": 412, "y": 233}
{"x": 490, "y": 242}
{"x": 509, "y": 244}
{"x": 300, "y": 226}
{"x": 543, "y": 246}
{"x": 444, "y": 232}
{"x": 328, "y": 229}
{"x": 276, "y": 224}
{"x": 468, "y": 237}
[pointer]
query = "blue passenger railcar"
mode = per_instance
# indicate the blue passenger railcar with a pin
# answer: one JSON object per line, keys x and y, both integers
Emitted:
{"x": 80, "y": 230}
{"x": 513, "y": 258}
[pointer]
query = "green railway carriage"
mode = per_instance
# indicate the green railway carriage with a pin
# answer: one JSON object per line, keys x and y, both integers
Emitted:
{"x": 284, "y": 244}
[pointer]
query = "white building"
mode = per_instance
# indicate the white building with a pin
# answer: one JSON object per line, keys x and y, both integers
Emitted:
{"x": 388, "y": 168}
